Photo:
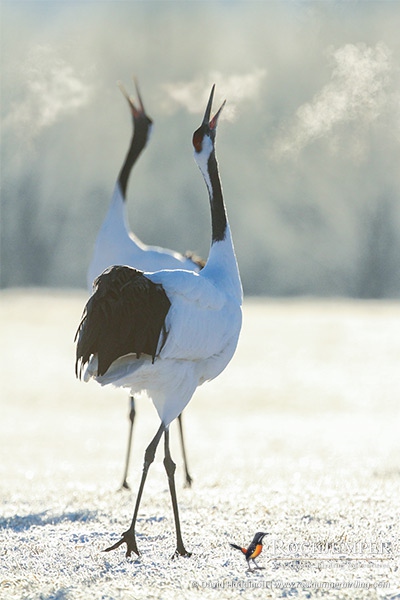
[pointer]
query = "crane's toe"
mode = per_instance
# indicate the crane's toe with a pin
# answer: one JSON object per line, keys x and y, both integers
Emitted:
{"x": 181, "y": 552}
{"x": 125, "y": 485}
{"x": 129, "y": 539}
{"x": 188, "y": 481}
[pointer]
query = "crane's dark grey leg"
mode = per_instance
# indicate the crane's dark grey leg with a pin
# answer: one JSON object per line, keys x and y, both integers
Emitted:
{"x": 188, "y": 478}
{"x": 132, "y": 413}
{"x": 128, "y": 537}
{"x": 170, "y": 469}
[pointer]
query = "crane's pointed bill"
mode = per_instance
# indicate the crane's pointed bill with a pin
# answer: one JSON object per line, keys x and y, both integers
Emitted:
{"x": 207, "y": 114}
{"x": 127, "y": 96}
{"x": 123, "y": 90}
{"x": 141, "y": 107}
{"x": 212, "y": 123}
{"x": 136, "y": 112}
{"x": 214, "y": 120}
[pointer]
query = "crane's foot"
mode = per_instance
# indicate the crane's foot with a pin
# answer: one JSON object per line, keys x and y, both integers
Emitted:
{"x": 125, "y": 485}
{"x": 181, "y": 552}
{"x": 188, "y": 481}
{"x": 129, "y": 539}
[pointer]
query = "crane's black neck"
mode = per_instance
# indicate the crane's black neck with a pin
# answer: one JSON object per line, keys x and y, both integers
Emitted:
{"x": 218, "y": 213}
{"x": 138, "y": 142}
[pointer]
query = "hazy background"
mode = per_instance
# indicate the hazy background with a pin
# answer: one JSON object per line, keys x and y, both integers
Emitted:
{"x": 309, "y": 148}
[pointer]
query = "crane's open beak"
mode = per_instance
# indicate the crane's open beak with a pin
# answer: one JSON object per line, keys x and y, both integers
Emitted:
{"x": 141, "y": 107}
{"x": 136, "y": 111}
{"x": 212, "y": 123}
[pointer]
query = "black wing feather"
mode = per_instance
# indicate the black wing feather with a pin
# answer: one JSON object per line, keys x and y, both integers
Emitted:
{"x": 125, "y": 314}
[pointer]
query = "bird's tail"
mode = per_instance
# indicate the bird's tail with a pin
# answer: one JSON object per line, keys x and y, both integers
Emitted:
{"x": 238, "y": 548}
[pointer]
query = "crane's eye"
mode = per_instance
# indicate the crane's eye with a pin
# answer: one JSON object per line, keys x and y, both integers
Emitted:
{"x": 198, "y": 140}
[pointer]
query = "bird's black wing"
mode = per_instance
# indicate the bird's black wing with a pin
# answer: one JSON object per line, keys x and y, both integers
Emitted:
{"x": 250, "y": 549}
{"x": 126, "y": 314}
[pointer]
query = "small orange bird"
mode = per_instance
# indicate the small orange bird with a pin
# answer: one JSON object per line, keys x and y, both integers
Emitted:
{"x": 253, "y": 550}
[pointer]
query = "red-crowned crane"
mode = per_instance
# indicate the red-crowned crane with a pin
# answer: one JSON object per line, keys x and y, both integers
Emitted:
{"x": 166, "y": 332}
{"x": 117, "y": 245}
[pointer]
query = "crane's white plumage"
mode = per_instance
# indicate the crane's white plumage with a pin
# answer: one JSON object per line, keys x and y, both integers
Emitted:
{"x": 117, "y": 245}
{"x": 202, "y": 324}
{"x": 188, "y": 323}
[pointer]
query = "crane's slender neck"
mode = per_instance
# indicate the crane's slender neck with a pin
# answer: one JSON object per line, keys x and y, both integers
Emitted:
{"x": 221, "y": 265}
{"x": 138, "y": 142}
{"x": 218, "y": 212}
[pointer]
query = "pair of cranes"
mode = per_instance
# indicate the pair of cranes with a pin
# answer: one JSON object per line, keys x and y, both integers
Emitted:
{"x": 169, "y": 327}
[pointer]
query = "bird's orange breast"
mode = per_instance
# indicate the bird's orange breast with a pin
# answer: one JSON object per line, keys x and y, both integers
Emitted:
{"x": 257, "y": 551}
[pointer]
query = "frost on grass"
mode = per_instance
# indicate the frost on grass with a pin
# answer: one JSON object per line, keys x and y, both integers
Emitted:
{"x": 299, "y": 438}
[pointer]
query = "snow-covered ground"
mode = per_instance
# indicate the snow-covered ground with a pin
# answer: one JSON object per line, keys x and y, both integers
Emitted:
{"x": 299, "y": 437}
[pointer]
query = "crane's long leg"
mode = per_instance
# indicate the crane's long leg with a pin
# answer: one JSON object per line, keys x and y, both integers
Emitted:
{"x": 132, "y": 412}
{"x": 170, "y": 469}
{"x": 128, "y": 537}
{"x": 188, "y": 478}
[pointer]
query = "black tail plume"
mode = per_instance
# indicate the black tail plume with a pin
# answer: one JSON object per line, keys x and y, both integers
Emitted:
{"x": 236, "y": 547}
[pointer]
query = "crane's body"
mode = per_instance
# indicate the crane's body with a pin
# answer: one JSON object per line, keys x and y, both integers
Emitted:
{"x": 169, "y": 331}
{"x": 202, "y": 329}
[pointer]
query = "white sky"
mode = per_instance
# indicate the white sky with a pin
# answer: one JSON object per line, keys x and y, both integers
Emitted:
{"x": 311, "y": 128}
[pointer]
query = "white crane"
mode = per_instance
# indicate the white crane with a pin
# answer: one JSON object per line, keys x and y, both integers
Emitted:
{"x": 166, "y": 332}
{"x": 117, "y": 245}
